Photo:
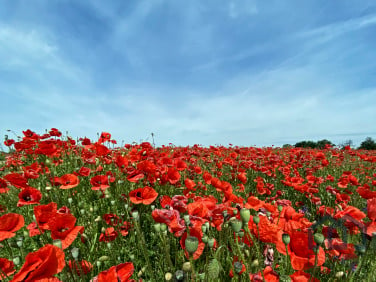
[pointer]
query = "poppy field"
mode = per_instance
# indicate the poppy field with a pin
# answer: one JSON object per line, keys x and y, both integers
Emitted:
{"x": 94, "y": 210}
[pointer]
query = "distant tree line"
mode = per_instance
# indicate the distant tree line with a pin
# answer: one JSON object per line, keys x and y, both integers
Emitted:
{"x": 367, "y": 144}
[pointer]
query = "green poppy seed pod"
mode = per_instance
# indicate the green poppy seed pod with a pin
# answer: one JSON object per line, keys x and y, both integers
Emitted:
{"x": 187, "y": 267}
{"x": 186, "y": 219}
{"x": 280, "y": 208}
{"x": 236, "y": 225}
{"x": 179, "y": 275}
{"x": 75, "y": 252}
{"x": 113, "y": 203}
{"x": 203, "y": 228}
{"x": 191, "y": 244}
{"x": 19, "y": 243}
{"x": 152, "y": 207}
{"x": 109, "y": 245}
{"x": 103, "y": 258}
{"x": 157, "y": 227}
{"x": 238, "y": 266}
{"x": 245, "y": 215}
{"x": 16, "y": 261}
{"x": 57, "y": 243}
{"x": 225, "y": 213}
{"x": 70, "y": 200}
{"x": 204, "y": 238}
{"x": 163, "y": 227}
{"x": 25, "y": 233}
{"x": 235, "y": 211}
{"x": 318, "y": 238}
{"x": 286, "y": 238}
{"x": 82, "y": 211}
{"x": 211, "y": 242}
{"x": 256, "y": 219}
{"x": 241, "y": 233}
{"x": 98, "y": 263}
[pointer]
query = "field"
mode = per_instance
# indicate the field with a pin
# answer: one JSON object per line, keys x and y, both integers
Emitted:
{"x": 95, "y": 211}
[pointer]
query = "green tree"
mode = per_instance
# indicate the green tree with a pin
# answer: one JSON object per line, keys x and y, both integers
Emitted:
{"x": 306, "y": 144}
{"x": 368, "y": 144}
{"x": 322, "y": 143}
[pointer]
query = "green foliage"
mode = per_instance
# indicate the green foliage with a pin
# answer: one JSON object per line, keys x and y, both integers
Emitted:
{"x": 314, "y": 145}
{"x": 368, "y": 144}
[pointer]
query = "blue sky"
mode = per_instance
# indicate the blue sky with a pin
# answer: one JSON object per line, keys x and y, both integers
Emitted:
{"x": 244, "y": 72}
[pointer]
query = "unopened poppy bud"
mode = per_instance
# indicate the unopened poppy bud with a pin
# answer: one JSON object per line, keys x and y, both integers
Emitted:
{"x": 285, "y": 278}
{"x": 168, "y": 276}
{"x": 235, "y": 211}
{"x": 109, "y": 245}
{"x": 211, "y": 242}
{"x": 339, "y": 274}
{"x": 255, "y": 263}
{"x": 131, "y": 257}
{"x": 286, "y": 238}
{"x": 163, "y": 227}
{"x": 103, "y": 258}
{"x": 187, "y": 267}
{"x": 57, "y": 243}
{"x": 319, "y": 238}
{"x": 113, "y": 202}
{"x": 186, "y": 219}
{"x": 16, "y": 261}
{"x": 98, "y": 263}
{"x": 191, "y": 244}
{"x": 141, "y": 272}
{"x": 256, "y": 219}
{"x": 204, "y": 238}
{"x": 75, "y": 252}
{"x": 135, "y": 215}
{"x": 203, "y": 228}
{"x": 245, "y": 215}
{"x": 280, "y": 208}
{"x": 97, "y": 219}
{"x": 207, "y": 224}
{"x": 157, "y": 227}
{"x": 236, "y": 225}
{"x": 241, "y": 233}
{"x": 70, "y": 200}
{"x": 82, "y": 211}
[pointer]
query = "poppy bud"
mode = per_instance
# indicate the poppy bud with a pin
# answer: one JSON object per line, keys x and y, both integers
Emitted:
{"x": 187, "y": 267}
{"x": 236, "y": 225}
{"x": 203, "y": 228}
{"x": 16, "y": 261}
{"x": 168, "y": 276}
{"x": 245, "y": 215}
{"x": 241, "y": 233}
{"x": 75, "y": 252}
{"x": 256, "y": 219}
{"x": 235, "y": 211}
{"x": 211, "y": 242}
{"x": 163, "y": 227}
{"x": 255, "y": 263}
{"x": 339, "y": 274}
{"x": 319, "y": 238}
{"x": 280, "y": 208}
{"x": 135, "y": 215}
{"x": 103, "y": 258}
{"x": 286, "y": 238}
{"x": 191, "y": 244}
{"x": 157, "y": 227}
{"x": 57, "y": 243}
{"x": 204, "y": 238}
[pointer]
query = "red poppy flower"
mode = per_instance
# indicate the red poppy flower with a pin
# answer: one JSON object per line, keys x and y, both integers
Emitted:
{"x": 42, "y": 264}
{"x": 68, "y": 181}
{"x": 99, "y": 182}
{"x": 84, "y": 171}
{"x": 145, "y": 195}
{"x": 111, "y": 219}
{"x": 80, "y": 267}
{"x": 10, "y": 223}
{"x": 9, "y": 142}
{"x": 269, "y": 275}
{"x": 301, "y": 256}
{"x": 6, "y": 267}
{"x": 54, "y": 132}
{"x": 29, "y": 196}
{"x": 17, "y": 180}
{"x": 43, "y": 213}
{"x": 173, "y": 175}
{"x": 63, "y": 227}
{"x": 301, "y": 276}
{"x": 33, "y": 229}
{"x": 121, "y": 272}
{"x": 371, "y": 209}
{"x": 3, "y": 186}
{"x": 109, "y": 235}
{"x": 172, "y": 219}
